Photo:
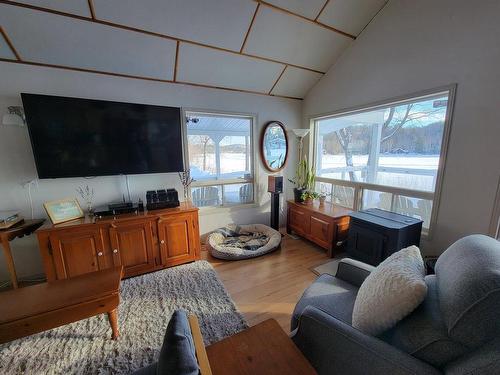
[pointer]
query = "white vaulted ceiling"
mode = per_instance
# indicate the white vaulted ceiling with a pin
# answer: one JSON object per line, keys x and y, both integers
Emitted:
{"x": 273, "y": 47}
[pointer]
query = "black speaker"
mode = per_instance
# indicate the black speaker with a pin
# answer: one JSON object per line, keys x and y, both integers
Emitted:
{"x": 275, "y": 184}
{"x": 275, "y": 187}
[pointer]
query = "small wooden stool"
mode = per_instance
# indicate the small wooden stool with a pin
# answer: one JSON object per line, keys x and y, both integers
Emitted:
{"x": 40, "y": 307}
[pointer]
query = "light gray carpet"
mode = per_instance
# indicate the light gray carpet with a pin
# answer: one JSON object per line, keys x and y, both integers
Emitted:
{"x": 146, "y": 305}
{"x": 329, "y": 267}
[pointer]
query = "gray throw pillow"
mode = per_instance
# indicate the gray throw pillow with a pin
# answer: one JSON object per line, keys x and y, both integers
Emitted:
{"x": 392, "y": 290}
{"x": 178, "y": 354}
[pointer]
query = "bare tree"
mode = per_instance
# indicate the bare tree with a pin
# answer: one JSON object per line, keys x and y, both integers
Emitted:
{"x": 345, "y": 137}
{"x": 394, "y": 122}
{"x": 202, "y": 140}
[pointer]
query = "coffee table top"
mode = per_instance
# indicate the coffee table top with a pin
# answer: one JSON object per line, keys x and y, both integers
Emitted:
{"x": 261, "y": 349}
{"x": 31, "y": 300}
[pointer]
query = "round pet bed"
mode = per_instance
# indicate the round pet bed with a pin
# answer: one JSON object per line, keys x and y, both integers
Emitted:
{"x": 219, "y": 249}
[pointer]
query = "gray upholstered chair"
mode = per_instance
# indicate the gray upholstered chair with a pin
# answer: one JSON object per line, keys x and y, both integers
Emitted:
{"x": 456, "y": 330}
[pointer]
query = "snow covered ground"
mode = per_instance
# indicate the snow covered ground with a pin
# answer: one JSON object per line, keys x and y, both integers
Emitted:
{"x": 416, "y": 172}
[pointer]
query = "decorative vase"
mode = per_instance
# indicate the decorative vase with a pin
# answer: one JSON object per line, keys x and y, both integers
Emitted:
{"x": 90, "y": 209}
{"x": 298, "y": 195}
{"x": 322, "y": 200}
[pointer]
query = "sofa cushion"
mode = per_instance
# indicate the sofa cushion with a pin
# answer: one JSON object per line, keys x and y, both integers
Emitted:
{"x": 423, "y": 333}
{"x": 468, "y": 280}
{"x": 392, "y": 290}
{"x": 178, "y": 354}
{"x": 330, "y": 294}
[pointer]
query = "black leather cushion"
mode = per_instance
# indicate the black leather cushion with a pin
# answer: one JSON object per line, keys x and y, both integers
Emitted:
{"x": 178, "y": 355}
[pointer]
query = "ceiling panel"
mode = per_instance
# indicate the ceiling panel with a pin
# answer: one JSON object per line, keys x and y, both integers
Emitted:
{"x": 309, "y": 8}
{"x": 48, "y": 38}
{"x": 5, "y": 51}
{"x": 224, "y": 69}
{"x": 296, "y": 82}
{"x": 79, "y": 7}
{"x": 293, "y": 40}
{"x": 221, "y": 23}
{"x": 350, "y": 16}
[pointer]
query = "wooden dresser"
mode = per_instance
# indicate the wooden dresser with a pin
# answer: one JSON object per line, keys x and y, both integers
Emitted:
{"x": 141, "y": 243}
{"x": 325, "y": 226}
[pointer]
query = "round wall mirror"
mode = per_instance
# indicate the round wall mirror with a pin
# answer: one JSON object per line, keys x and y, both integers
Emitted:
{"x": 274, "y": 146}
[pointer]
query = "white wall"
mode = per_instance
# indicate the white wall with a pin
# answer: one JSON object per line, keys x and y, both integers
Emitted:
{"x": 418, "y": 45}
{"x": 17, "y": 164}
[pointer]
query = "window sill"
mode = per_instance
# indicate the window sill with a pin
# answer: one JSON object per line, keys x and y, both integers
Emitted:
{"x": 223, "y": 209}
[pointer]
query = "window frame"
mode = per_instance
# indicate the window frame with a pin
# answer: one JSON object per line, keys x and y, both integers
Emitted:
{"x": 359, "y": 187}
{"x": 223, "y": 182}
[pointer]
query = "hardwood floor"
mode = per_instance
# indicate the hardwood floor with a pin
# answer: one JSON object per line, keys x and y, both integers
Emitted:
{"x": 270, "y": 286}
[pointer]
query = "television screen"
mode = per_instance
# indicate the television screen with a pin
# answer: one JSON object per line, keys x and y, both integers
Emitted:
{"x": 74, "y": 137}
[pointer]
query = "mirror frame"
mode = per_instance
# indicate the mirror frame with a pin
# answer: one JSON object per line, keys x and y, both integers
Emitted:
{"x": 262, "y": 137}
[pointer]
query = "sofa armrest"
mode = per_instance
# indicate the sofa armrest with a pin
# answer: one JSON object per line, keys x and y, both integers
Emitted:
{"x": 353, "y": 271}
{"x": 481, "y": 361}
{"x": 333, "y": 347}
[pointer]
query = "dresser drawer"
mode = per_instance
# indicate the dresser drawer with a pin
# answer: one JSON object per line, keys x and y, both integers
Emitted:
{"x": 299, "y": 220}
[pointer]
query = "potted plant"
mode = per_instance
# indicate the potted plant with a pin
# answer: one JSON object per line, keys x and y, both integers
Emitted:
{"x": 309, "y": 196}
{"x": 303, "y": 181}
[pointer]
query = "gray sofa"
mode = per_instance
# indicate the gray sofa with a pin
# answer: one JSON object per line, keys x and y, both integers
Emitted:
{"x": 456, "y": 330}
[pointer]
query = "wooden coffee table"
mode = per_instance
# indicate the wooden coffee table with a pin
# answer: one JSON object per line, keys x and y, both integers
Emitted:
{"x": 261, "y": 349}
{"x": 40, "y": 307}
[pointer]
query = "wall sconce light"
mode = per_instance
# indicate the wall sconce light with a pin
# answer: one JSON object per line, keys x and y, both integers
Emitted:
{"x": 14, "y": 116}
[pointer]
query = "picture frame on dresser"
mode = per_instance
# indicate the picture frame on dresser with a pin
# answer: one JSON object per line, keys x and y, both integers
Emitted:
{"x": 63, "y": 210}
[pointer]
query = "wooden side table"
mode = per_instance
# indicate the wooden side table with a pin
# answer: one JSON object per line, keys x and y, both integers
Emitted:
{"x": 19, "y": 230}
{"x": 261, "y": 349}
{"x": 326, "y": 225}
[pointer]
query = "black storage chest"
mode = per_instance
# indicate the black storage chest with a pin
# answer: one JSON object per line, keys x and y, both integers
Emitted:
{"x": 375, "y": 234}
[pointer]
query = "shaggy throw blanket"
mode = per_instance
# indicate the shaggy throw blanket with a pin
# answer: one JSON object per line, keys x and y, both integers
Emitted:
{"x": 234, "y": 236}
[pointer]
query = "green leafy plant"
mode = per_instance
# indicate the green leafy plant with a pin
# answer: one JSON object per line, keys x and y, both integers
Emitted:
{"x": 309, "y": 195}
{"x": 304, "y": 176}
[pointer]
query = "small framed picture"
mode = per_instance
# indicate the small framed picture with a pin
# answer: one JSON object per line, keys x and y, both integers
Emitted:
{"x": 63, "y": 210}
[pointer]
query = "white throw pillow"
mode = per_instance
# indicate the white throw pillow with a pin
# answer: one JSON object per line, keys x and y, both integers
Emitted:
{"x": 392, "y": 290}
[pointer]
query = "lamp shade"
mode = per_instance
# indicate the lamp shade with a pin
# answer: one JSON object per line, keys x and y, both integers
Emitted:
{"x": 300, "y": 132}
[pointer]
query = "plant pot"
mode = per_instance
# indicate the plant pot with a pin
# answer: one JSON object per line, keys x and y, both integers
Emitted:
{"x": 298, "y": 195}
{"x": 309, "y": 201}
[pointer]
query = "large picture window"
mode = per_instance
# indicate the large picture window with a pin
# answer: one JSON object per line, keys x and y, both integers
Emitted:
{"x": 220, "y": 159}
{"x": 388, "y": 156}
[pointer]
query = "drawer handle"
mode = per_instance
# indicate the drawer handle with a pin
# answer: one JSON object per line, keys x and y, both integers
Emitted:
{"x": 162, "y": 242}
{"x": 115, "y": 251}
{"x": 99, "y": 253}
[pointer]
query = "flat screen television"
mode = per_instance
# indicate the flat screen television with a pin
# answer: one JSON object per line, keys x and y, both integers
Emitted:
{"x": 74, "y": 137}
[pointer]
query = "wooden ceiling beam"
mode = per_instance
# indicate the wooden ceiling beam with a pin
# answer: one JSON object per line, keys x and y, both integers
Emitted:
{"x": 314, "y": 21}
{"x": 249, "y": 28}
{"x": 122, "y": 75}
{"x": 91, "y": 8}
{"x": 320, "y": 11}
{"x": 9, "y": 43}
{"x": 277, "y": 80}
{"x": 176, "y": 64}
{"x": 164, "y": 36}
